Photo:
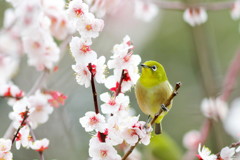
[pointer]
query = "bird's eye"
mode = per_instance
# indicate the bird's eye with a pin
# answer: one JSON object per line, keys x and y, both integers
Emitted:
{"x": 154, "y": 68}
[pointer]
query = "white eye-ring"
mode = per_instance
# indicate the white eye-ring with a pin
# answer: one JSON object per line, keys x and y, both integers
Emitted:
{"x": 154, "y": 68}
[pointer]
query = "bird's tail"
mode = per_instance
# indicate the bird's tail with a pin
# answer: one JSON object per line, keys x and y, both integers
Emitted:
{"x": 158, "y": 128}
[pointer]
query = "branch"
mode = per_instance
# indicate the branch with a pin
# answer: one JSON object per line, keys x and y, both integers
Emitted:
{"x": 182, "y": 6}
{"x": 94, "y": 92}
{"x": 118, "y": 90}
{"x": 25, "y": 116}
{"x": 166, "y": 103}
{"x": 231, "y": 77}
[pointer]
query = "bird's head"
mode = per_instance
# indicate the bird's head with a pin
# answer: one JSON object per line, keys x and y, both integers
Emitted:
{"x": 153, "y": 72}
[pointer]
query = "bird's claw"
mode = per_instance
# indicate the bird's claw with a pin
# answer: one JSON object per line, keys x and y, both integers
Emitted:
{"x": 164, "y": 108}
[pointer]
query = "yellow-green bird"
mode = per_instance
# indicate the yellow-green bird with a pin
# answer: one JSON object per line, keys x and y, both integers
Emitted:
{"x": 152, "y": 90}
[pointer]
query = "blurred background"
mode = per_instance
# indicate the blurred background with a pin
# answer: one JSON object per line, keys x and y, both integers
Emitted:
{"x": 197, "y": 56}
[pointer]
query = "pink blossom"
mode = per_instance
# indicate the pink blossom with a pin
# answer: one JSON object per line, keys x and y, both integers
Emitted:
{"x": 83, "y": 75}
{"x": 92, "y": 121}
{"x": 56, "y": 99}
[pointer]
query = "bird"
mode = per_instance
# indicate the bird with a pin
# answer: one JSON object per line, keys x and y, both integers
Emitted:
{"x": 152, "y": 90}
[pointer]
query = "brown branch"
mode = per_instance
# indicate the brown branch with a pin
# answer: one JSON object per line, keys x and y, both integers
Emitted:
{"x": 25, "y": 116}
{"x": 94, "y": 92}
{"x": 118, "y": 90}
{"x": 130, "y": 150}
{"x": 182, "y": 6}
{"x": 166, "y": 103}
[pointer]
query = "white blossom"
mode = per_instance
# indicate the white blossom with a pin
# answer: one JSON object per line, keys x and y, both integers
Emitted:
{"x": 205, "y": 153}
{"x": 92, "y": 121}
{"x": 227, "y": 153}
{"x": 195, "y": 16}
{"x": 145, "y": 11}
{"x": 214, "y": 108}
{"x": 40, "y": 145}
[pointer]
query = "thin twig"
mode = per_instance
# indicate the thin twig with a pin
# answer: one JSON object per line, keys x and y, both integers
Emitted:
{"x": 25, "y": 116}
{"x": 166, "y": 103}
{"x": 118, "y": 90}
{"x": 94, "y": 92}
{"x": 130, "y": 150}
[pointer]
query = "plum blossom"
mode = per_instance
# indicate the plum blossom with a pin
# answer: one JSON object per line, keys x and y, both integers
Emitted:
{"x": 5, "y": 147}
{"x": 191, "y": 139}
{"x": 56, "y": 98}
{"x": 113, "y": 104}
{"x": 102, "y": 151}
{"x": 28, "y": 14}
{"x": 134, "y": 130}
{"x": 83, "y": 74}
{"x": 76, "y": 10}
{"x": 227, "y": 153}
{"x": 235, "y": 12}
{"x": 60, "y": 26}
{"x": 90, "y": 27}
{"x": 205, "y": 153}
{"x": 129, "y": 79}
{"x": 81, "y": 51}
{"x": 214, "y": 108}
{"x": 92, "y": 121}
{"x": 41, "y": 49}
{"x": 10, "y": 90}
{"x": 42, "y": 109}
{"x": 231, "y": 123}
{"x": 123, "y": 57}
{"x": 24, "y": 138}
{"x": 8, "y": 67}
{"x": 40, "y": 145}
{"x": 145, "y": 11}
{"x": 195, "y": 16}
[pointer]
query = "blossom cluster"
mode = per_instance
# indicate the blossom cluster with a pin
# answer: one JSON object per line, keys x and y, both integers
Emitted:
{"x": 116, "y": 125}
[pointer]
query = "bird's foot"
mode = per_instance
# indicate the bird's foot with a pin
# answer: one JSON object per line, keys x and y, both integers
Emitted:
{"x": 164, "y": 108}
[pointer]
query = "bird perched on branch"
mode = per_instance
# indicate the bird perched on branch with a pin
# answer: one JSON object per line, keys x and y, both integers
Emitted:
{"x": 152, "y": 90}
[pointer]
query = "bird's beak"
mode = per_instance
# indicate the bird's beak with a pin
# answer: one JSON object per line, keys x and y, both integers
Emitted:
{"x": 144, "y": 66}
